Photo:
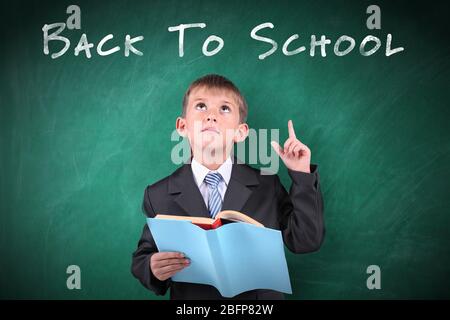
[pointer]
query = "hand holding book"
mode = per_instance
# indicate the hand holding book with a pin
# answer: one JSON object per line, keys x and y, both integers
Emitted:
{"x": 166, "y": 264}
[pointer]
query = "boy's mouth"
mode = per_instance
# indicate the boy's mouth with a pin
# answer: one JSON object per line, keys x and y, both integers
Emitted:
{"x": 210, "y": 129}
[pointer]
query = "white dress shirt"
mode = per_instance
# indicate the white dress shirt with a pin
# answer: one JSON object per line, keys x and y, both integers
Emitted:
{"x": 200, "y": 172}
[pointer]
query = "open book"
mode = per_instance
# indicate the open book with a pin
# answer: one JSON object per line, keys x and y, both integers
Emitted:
{"x": 234, "y": 257}
{"x": 223, "y": 217}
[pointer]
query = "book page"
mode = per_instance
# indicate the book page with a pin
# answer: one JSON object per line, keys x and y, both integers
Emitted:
{"x": 238, "y": 216}
{"x": 253, "y": 258}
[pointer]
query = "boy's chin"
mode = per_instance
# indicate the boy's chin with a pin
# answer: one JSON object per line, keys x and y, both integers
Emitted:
{"x": 213, "y": 150}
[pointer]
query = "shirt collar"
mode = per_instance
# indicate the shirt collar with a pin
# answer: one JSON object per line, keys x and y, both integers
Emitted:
{"x": 200, "y": 171}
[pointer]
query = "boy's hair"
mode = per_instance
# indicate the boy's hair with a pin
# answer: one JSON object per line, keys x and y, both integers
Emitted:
{"x": 215, "y": 81}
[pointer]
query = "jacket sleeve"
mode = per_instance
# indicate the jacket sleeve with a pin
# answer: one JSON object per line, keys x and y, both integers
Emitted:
{"x": 140, "y": 266}
{"x": 301, "y": 211}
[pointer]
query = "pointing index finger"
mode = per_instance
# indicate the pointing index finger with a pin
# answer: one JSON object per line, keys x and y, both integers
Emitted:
{"x": 291, "y": 129}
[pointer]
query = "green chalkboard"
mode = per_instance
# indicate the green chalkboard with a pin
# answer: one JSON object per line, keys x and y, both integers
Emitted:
{"x": 82, "y": 137}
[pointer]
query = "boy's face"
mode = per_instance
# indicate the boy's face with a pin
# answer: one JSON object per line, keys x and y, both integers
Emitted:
{"x": 212, "y": 122}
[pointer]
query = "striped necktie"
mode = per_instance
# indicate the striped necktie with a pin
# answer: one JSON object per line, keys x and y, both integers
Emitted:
{"x": 212, "y": 180}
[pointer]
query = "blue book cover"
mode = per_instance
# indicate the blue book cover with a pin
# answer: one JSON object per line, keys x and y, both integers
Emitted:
{"x": 234, "y": 258}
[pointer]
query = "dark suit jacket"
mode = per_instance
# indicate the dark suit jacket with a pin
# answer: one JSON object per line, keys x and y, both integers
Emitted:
{"x": 299, "y": 215}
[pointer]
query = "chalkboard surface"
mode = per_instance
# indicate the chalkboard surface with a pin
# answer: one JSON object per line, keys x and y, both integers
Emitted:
{"x": 82, "y": 137}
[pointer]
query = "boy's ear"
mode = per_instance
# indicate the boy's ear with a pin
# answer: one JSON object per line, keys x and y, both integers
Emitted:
{"x": 181, "y": 126}
{"x": 241, "y": 133}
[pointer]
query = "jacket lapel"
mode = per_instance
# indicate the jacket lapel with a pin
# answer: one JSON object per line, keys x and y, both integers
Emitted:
{"x": 238, "y": 190}
{"x": 187, "y": 194}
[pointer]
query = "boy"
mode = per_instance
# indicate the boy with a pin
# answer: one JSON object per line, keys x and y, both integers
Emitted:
{"x": 213, "y": 119}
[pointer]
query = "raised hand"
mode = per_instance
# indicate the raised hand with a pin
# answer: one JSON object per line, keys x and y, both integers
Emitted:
{"x": 295, "y": 155}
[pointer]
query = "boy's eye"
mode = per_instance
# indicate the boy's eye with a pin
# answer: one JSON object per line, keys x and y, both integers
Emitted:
{"x": 200, "y": 106}
{"x": 225, "y": 108}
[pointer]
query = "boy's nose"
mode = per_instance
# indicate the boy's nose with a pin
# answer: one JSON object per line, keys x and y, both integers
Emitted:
{"x": 211, "y": 118}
